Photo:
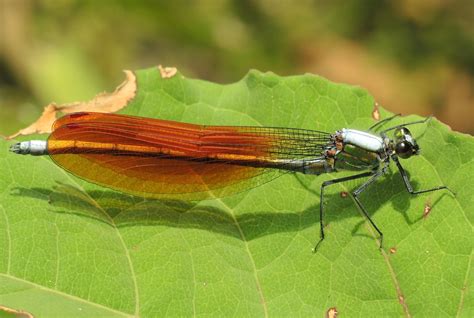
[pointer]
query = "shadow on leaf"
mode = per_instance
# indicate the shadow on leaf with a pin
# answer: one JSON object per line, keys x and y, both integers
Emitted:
{"x": 122, "y": 210}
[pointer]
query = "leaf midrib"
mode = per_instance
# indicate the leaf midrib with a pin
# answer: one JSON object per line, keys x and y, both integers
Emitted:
{"x": 66, "y": 295}
{"x": 119, "y": 235}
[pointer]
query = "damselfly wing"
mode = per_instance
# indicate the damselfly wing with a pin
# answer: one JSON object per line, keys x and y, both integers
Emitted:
{"x": 164, "y": 159}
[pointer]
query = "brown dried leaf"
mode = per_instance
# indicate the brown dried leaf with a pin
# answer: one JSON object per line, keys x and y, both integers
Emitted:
{"x": 167, "y": 72}
{"x": 332, "y": 312}
{"x": 15, "y": 312}
{"x": 102, "y": 103}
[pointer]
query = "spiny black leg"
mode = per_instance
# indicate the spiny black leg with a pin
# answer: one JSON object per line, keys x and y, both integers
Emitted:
{"x": 408, "y": 183}
{"x": 362, "y": 188}
{"x": 321, "y": 203}
{"x": 383, "y": 121}
{"x": 407, "y": 124}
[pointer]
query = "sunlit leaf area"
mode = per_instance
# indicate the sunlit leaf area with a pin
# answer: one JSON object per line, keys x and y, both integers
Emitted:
{"x": 70, "y": 248}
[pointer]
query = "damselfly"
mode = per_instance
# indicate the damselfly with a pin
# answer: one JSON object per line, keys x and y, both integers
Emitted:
{"x": 166, "y": 159}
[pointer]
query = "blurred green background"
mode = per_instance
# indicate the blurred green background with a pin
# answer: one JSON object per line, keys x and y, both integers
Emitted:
{"x": 414, "y": 56}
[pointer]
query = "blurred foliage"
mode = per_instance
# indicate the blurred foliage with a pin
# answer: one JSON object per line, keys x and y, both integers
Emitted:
{"x": 414, "y": 56}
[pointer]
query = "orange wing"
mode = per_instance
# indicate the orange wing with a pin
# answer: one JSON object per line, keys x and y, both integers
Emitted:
{"x": 166, "y": 159}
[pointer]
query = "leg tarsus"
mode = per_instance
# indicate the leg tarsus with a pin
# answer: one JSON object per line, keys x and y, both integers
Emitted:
{"x": 315, "y": 249}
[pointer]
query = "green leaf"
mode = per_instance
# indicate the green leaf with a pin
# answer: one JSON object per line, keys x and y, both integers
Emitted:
{"x": 71, "y": 248}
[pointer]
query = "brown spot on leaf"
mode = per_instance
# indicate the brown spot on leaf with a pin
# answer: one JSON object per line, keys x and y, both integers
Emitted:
{"x": 102, "y": 103}
{"x": 167, "y": 72}
{"x": 376, "y": 112}
{"x": 401, "y": 299}
{"x": 344, "y": 194}
{"x": 332, "y": 312}
{"x": 15, "y": 312}
{"x": 393, "y": 250}
{"x": 427, "y": 210}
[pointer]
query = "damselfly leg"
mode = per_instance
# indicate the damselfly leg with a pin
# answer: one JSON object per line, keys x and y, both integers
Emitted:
{"x": 361, "y": 189}
{"x": 383, "y": 121}
{"x": 321, "y": 203}
{"x": 407, "y": 124}
{"x": 407, "y": 182}
{"x": 373, "y": 177}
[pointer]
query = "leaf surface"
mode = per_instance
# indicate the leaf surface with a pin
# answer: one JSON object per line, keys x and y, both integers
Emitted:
{"x": 68, "y": 247}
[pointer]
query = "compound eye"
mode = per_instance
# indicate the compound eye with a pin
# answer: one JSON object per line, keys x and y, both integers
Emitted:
{"x": 403, "y": 149}
{"x": 406, "y": 131}
{"x": 402, "y": 132}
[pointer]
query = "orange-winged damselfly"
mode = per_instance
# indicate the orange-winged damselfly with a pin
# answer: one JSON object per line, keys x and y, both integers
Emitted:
{"x": 166, "y": 159}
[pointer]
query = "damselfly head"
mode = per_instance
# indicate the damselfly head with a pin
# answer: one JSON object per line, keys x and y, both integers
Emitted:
{"x": 405, "y": 144}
